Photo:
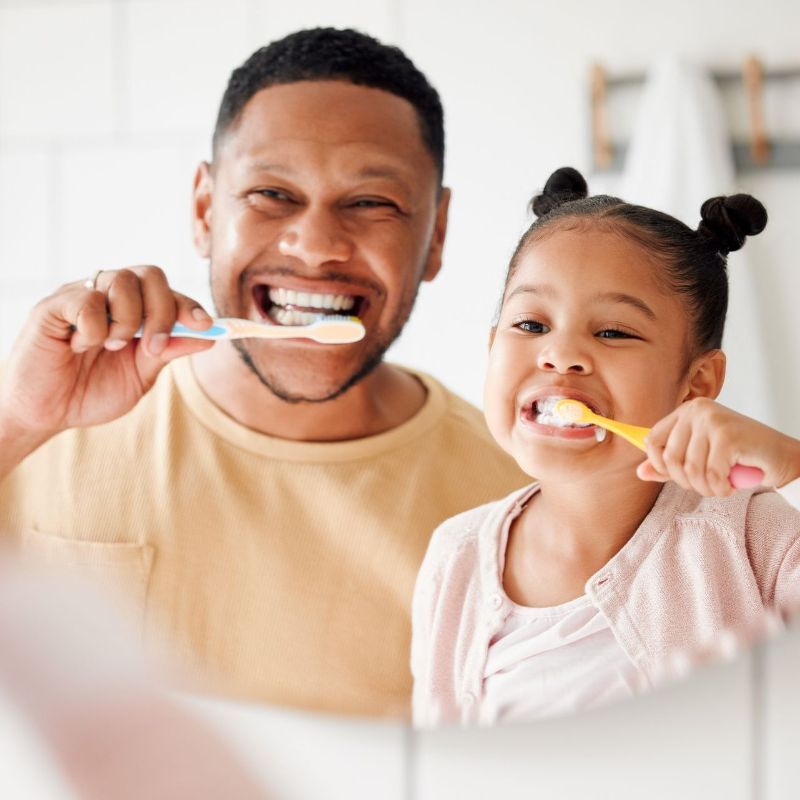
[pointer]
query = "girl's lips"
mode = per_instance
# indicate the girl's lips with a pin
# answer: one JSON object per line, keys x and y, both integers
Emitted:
{"x": 528, "y": 413}
{"x": 556, "y": 431}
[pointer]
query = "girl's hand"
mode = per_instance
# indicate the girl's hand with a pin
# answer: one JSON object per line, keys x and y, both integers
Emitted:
{"x": 697, "y": 445}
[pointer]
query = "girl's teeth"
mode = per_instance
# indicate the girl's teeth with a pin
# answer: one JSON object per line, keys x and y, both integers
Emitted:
{"x": 600, "y": 434}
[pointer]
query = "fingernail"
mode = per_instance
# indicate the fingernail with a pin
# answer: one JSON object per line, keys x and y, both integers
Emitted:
{"x": 158, "y": 343}
{"x": 200, "y": 315}
{"x": 114, "y": 344}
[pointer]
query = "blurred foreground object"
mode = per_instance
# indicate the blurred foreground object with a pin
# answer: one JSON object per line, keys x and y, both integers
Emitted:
{"x": 70, "y": 669}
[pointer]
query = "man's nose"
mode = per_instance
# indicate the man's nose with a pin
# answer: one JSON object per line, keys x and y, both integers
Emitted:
{"x": 564, "y": 355}
{"x": 315, "y": 237}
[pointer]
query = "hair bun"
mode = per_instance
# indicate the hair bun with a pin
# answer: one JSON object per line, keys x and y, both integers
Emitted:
{"x": 564, "y": 185}
{"x": 728, "y": 221}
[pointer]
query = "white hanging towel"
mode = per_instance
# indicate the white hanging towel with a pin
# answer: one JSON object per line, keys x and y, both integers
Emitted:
{"x": 679, "y": 156}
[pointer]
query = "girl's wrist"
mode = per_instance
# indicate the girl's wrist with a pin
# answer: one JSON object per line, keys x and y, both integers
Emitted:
{"x": 794, "y": 460}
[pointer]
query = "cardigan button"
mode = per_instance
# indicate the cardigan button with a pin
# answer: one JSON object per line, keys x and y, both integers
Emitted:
{"x": 495, "y": 601}
{"x": 468, "y": 699}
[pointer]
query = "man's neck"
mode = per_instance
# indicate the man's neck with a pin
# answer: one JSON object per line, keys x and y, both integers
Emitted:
{"x": 384, "y": 399}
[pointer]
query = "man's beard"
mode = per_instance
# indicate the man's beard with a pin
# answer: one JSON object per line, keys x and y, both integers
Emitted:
{"x": 372, "y": 359}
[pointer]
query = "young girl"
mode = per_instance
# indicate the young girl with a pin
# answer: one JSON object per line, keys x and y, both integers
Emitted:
{"x": 593, "y": 584}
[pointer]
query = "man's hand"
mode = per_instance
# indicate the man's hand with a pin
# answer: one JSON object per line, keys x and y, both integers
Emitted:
{"x": 697, "y": 445}
{"x": 76, "y": 363}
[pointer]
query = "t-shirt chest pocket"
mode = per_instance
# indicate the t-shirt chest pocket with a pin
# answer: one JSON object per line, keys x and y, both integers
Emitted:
{"x": 120, "y": 571}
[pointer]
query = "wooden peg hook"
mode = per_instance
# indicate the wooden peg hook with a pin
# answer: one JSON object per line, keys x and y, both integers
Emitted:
{"x": 753, "y": 76}
{"x": 601, "y": 144}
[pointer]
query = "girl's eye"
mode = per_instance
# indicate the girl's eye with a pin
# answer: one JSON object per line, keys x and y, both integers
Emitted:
{"x": 615, "y": 333}
{"x": 531, "y": 326}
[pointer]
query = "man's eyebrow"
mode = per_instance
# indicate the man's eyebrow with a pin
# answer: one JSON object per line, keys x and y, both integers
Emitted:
{"x": 546, "y": 290}
{"x": 258, "y": 166}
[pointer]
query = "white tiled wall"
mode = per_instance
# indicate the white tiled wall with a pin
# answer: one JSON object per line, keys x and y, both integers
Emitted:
{"x": 105, "y": 108}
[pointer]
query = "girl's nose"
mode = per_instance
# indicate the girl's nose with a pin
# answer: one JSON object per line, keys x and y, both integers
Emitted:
{"x": 565, "y": 358}
{"x": 315, "y": 238}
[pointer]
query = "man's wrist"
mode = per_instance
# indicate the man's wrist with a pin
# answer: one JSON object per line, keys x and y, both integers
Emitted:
{"x": 17, "y": 443}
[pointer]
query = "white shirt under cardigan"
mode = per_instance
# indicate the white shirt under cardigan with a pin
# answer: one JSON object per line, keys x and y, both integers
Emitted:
{"x": 552, "y": 660}
{"x": 698, "y": 575}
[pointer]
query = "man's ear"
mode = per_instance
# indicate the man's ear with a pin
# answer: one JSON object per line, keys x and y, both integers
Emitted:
{"x": 706, "y": 375}
{"x": 434, "y": 263}
{"x": 201, "y": 209}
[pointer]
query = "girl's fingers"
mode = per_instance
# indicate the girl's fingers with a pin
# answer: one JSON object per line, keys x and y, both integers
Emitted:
{"x": 696, "y": 464}
{"x": 647, "y": 472}
{"x": 719, "y": 467}
{"x": 674, "y": 455}
{"x": 656, "y": 441}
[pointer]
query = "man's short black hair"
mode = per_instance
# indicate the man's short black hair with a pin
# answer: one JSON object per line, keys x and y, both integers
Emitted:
{"x": 332, "y": 54}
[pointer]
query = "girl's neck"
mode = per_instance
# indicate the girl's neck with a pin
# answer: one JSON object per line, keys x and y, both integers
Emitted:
{"x": 592, "y": 517}
{"x": 570, "y": 531}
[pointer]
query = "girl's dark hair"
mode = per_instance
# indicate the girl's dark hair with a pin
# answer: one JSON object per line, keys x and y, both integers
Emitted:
{"x": 695, "y": 261}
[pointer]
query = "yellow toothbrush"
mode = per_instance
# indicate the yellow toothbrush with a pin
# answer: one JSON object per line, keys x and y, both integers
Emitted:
{"x": 573, "y": 411}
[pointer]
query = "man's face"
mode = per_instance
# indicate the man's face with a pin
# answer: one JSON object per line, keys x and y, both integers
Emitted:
{"x": 322, "y": 199}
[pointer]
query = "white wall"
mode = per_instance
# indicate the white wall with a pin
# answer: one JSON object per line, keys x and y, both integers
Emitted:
{"x": 106, "y": 106}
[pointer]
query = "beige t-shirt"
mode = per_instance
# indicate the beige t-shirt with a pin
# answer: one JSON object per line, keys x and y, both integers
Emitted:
{"x": 282, "y": 570}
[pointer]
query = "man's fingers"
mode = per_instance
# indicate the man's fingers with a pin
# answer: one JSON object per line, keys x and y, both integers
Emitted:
{"x": 160, "y": 310}
{"x": 125, "y": 307}
{"x": 82, "y": 319}
{"x": 191, "y": 313}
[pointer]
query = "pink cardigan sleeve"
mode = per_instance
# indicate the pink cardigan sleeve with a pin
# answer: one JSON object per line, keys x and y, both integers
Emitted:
{"x": 773, "y": 542}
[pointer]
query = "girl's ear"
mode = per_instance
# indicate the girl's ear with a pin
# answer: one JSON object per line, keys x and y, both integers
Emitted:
{"x": 492, "y": 332}
{"x": 706, "y": 375}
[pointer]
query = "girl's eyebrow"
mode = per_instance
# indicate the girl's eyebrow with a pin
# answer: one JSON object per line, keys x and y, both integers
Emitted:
{"x": 629, "y": 299}
{"x": 614, "y": 297}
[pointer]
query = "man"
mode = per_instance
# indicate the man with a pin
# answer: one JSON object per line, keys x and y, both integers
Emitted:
{"x": 264, "y": 505}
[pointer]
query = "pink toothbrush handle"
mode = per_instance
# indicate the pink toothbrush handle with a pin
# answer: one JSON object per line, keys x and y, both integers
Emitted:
{"x": 742, "y": 477}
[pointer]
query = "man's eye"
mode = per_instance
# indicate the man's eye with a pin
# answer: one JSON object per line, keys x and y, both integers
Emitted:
{"x": 531, "y": 326}
{"x": 370, "y": 202}
{"x": 272, "y": 194}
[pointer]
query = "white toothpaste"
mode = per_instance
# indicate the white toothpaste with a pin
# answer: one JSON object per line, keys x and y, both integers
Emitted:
{"x": 547, "y": 414}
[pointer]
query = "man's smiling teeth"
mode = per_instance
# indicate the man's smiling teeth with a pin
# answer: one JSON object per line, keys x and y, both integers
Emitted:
{"x": 289, "y": 297}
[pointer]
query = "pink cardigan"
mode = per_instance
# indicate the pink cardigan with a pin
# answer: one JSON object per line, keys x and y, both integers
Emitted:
{"x": 699, "y": 576}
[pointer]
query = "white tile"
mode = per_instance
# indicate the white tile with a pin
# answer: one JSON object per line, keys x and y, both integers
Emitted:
{"x": 302, "y": 756}
{"x": 15, "y": 306}
{"x": 690, "y": 741}
{"x": 27, "y": 197}
{"x": 781, "y": 717}
{"x": 180, "y": 56}
{"x": 274, "y": 20}
{"x": 125, "y": 206}
{"x": 56, "y": 71}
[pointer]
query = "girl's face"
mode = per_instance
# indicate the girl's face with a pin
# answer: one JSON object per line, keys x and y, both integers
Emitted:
{"x": 585, "y": 315}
